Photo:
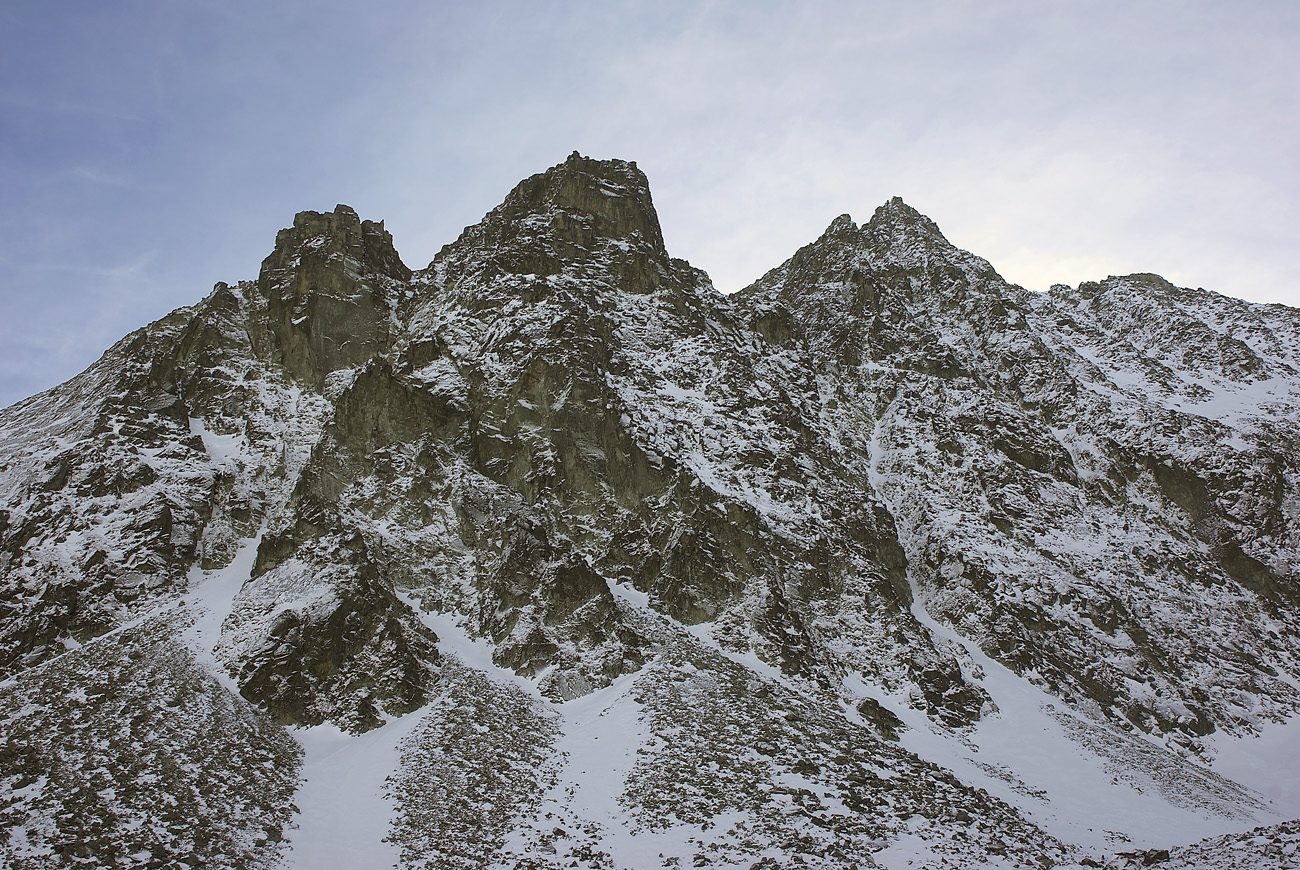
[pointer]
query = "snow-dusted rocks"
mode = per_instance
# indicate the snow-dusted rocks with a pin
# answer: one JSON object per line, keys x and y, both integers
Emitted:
{"x": 127, "y": 753}
{"x": 550, "y": 553}
{"x": 1065, "y": 493}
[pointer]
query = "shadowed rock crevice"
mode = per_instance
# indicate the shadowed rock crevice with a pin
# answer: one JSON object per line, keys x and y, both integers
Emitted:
{"x": 349, "y": 658}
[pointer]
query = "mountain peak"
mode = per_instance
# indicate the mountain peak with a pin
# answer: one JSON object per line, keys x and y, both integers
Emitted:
{"x": 340, "y": 232}
{"x": 577, "y": 214}
{"x": 611, "y": 198}
{"x": 894, "y": 224}
{"x": 896, "y": 215}
{"x": 326, "y": 285}
{"x": 842, "y": 224}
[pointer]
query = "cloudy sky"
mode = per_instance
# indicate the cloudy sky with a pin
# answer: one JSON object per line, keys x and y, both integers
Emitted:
{"x": 149, "y": 148}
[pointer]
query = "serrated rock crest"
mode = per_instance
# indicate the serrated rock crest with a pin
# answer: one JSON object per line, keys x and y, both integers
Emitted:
{"x": 779, "y": 531}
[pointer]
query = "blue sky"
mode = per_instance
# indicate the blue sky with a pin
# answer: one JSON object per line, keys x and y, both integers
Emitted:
{"x": 151, "y": 148}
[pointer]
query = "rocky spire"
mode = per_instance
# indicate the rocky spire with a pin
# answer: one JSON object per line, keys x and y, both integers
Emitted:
{"x": 337, "y": 233}
{"x": 611, "y": 198}
{"x": 327, "y": 285}
{"x": 580, "y": 218}
{"x": 897, "y": 214}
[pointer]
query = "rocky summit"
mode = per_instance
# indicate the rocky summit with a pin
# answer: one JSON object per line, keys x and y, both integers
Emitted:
{"x": 550, "y": 555}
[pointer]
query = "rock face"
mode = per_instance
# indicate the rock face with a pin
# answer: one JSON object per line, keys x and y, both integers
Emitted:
{"x": 331, "y": 288}
{"x": 1076, "y": 477}
{"x": 787, "y": 532}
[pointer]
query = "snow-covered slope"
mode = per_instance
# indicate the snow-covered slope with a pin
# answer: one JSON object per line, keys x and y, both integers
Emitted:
{"x": 550, "y": 555}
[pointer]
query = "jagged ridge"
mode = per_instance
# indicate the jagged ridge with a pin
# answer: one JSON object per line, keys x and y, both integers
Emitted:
{"x": 564, "y": 441}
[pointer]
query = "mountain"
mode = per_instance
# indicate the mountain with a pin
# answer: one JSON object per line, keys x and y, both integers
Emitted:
{"x": 550, "y": 555}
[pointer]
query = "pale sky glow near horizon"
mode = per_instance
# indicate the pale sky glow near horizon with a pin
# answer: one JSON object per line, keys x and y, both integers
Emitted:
{"x": 151, "y": 148}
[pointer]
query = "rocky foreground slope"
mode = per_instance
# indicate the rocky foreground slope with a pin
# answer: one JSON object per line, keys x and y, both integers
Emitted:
{"x": 550, "y": 555}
